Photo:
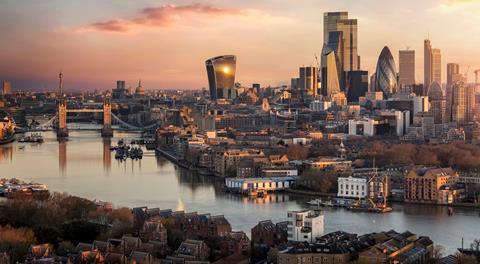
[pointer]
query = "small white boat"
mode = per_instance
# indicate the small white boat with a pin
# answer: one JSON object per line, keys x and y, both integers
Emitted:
{"x": 316, "y": 202}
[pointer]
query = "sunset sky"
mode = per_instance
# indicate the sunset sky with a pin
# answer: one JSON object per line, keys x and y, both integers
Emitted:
{"x": 165, "y": 43}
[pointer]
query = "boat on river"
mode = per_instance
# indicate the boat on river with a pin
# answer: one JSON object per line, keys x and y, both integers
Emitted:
{"x": 7, "y": 131}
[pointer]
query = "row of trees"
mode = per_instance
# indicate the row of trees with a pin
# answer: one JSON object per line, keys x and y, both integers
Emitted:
{"x": 460, "y": 155}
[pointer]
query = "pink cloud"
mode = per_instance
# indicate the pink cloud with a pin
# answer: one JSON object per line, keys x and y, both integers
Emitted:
{"x": 163, "y": 16}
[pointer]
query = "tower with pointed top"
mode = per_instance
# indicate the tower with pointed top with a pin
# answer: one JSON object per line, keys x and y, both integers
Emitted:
{"x": 107, "y": 117}
{"x": 62, "y": 130}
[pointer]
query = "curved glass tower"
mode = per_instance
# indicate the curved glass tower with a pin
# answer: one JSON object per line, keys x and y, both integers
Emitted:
{"x": 386, "y": 75}
{"x": 221, "y": 77}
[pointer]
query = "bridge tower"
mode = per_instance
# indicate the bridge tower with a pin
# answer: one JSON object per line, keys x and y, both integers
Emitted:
{"x": 62, "y": 130}
{"x": 107, "y": 118}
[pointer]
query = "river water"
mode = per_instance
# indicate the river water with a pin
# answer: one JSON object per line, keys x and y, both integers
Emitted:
{"x": 84, "y": 166}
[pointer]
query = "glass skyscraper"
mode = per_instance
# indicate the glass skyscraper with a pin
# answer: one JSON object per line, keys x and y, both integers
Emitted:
{"x": 386, "y": 74}
{"x": 221, "y": 77}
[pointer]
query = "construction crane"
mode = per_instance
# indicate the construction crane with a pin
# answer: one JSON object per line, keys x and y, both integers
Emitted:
{"x": 476, "y": 75}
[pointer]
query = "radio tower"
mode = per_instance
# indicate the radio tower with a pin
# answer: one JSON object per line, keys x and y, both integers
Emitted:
{"x": 60, "y": 84}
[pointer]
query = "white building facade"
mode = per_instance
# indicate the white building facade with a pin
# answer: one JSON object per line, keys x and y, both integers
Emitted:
{"x": 304, "y": 226}
{"x": 352, "y": 187}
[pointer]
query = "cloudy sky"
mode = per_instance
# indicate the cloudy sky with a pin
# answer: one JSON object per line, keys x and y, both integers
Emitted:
{"x": 165, "y": 43}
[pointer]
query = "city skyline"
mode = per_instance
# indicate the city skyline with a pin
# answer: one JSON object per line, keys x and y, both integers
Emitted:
{"x": 126, "y": 40}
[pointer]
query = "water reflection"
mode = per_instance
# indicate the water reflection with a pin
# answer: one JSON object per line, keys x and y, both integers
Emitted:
{"x": 107, "y": 155}
{"x": 62, "y": 156}
{"x": 6, "y": 152}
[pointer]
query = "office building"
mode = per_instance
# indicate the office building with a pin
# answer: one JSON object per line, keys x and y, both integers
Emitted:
{"x": 221, "y": 77}
{"x": 386, "y": 73}
{"x": 436, "y": 66}
{"x": 120, "y": 92}
{"x": 304, "y": 226}
{"x": 358, "y": 85}
{"x": 406, "y": 74}
{"x": 452, "y": 70}
{"x": 307, "y": 82}
{"x": 470, "y": 103}
{"x": 341, "y": 35}
{"x": 7, "y": 88}
{"x": 432, "y": 65}
{"x": 458, "y": 107}
{"x": 330, "y": 76}
{"x": 437, "y": 103}
{"x": 427, "y": 64}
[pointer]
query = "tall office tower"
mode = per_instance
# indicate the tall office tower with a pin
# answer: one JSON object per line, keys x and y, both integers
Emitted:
{"x": 341, "y": 35}
{"x": 437, "y": 103}
{"x": 458, "y": 101}
{"x": 406, "y": 69}
{"x": 436, "y": 65}
{"x": 7, "y": 88}
{"x": 358, "y": 81}
{"x": 330, "y": 76}
{"x": 470, "y": 103}
{"x": 386, "y": 73}
{"x": 308, "y": 81}
{"x": 427, "y": 64}
{"x": 452, "y": 70}
{"x": 221, "y": 77}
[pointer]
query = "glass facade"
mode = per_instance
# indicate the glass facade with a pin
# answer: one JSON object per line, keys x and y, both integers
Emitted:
{"x": 386, "y": 75}
{"x": 221, "y": 77}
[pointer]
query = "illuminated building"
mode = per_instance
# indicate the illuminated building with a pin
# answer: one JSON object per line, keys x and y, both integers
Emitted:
{"x": 308, "y": 81}
{"x": 221, "y": 77}
{"x": 330, "y": 76}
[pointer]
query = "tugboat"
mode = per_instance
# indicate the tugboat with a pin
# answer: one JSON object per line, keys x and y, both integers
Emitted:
{"x": 7, "y": 131}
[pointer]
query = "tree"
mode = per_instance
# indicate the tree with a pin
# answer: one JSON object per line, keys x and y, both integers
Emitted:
{"x": 296, "y": 152}
{"x": 465, "y": 259}
{"x": 437, "y": 253}
{"x": 319, "y": 181}
{"x": 16, "y": 241}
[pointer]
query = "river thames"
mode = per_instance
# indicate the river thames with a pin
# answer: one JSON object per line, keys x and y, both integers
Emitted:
{"x": 84, "y": 166}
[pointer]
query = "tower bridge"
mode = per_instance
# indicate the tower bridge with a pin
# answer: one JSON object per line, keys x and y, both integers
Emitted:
{"x": 59, "y": 121}
{"x": 62, "y": 130}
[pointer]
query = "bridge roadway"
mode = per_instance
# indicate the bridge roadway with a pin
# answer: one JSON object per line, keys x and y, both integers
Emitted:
{"x": 84, "y": 110}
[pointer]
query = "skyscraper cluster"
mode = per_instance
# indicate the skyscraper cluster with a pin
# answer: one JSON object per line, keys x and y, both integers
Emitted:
{"x": 340, "y": 57}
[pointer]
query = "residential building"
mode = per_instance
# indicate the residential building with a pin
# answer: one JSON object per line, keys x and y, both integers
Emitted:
{"x": 422, "y": 185}
{"x": 266, "y": 234}
{"x": 304, "y": 226}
